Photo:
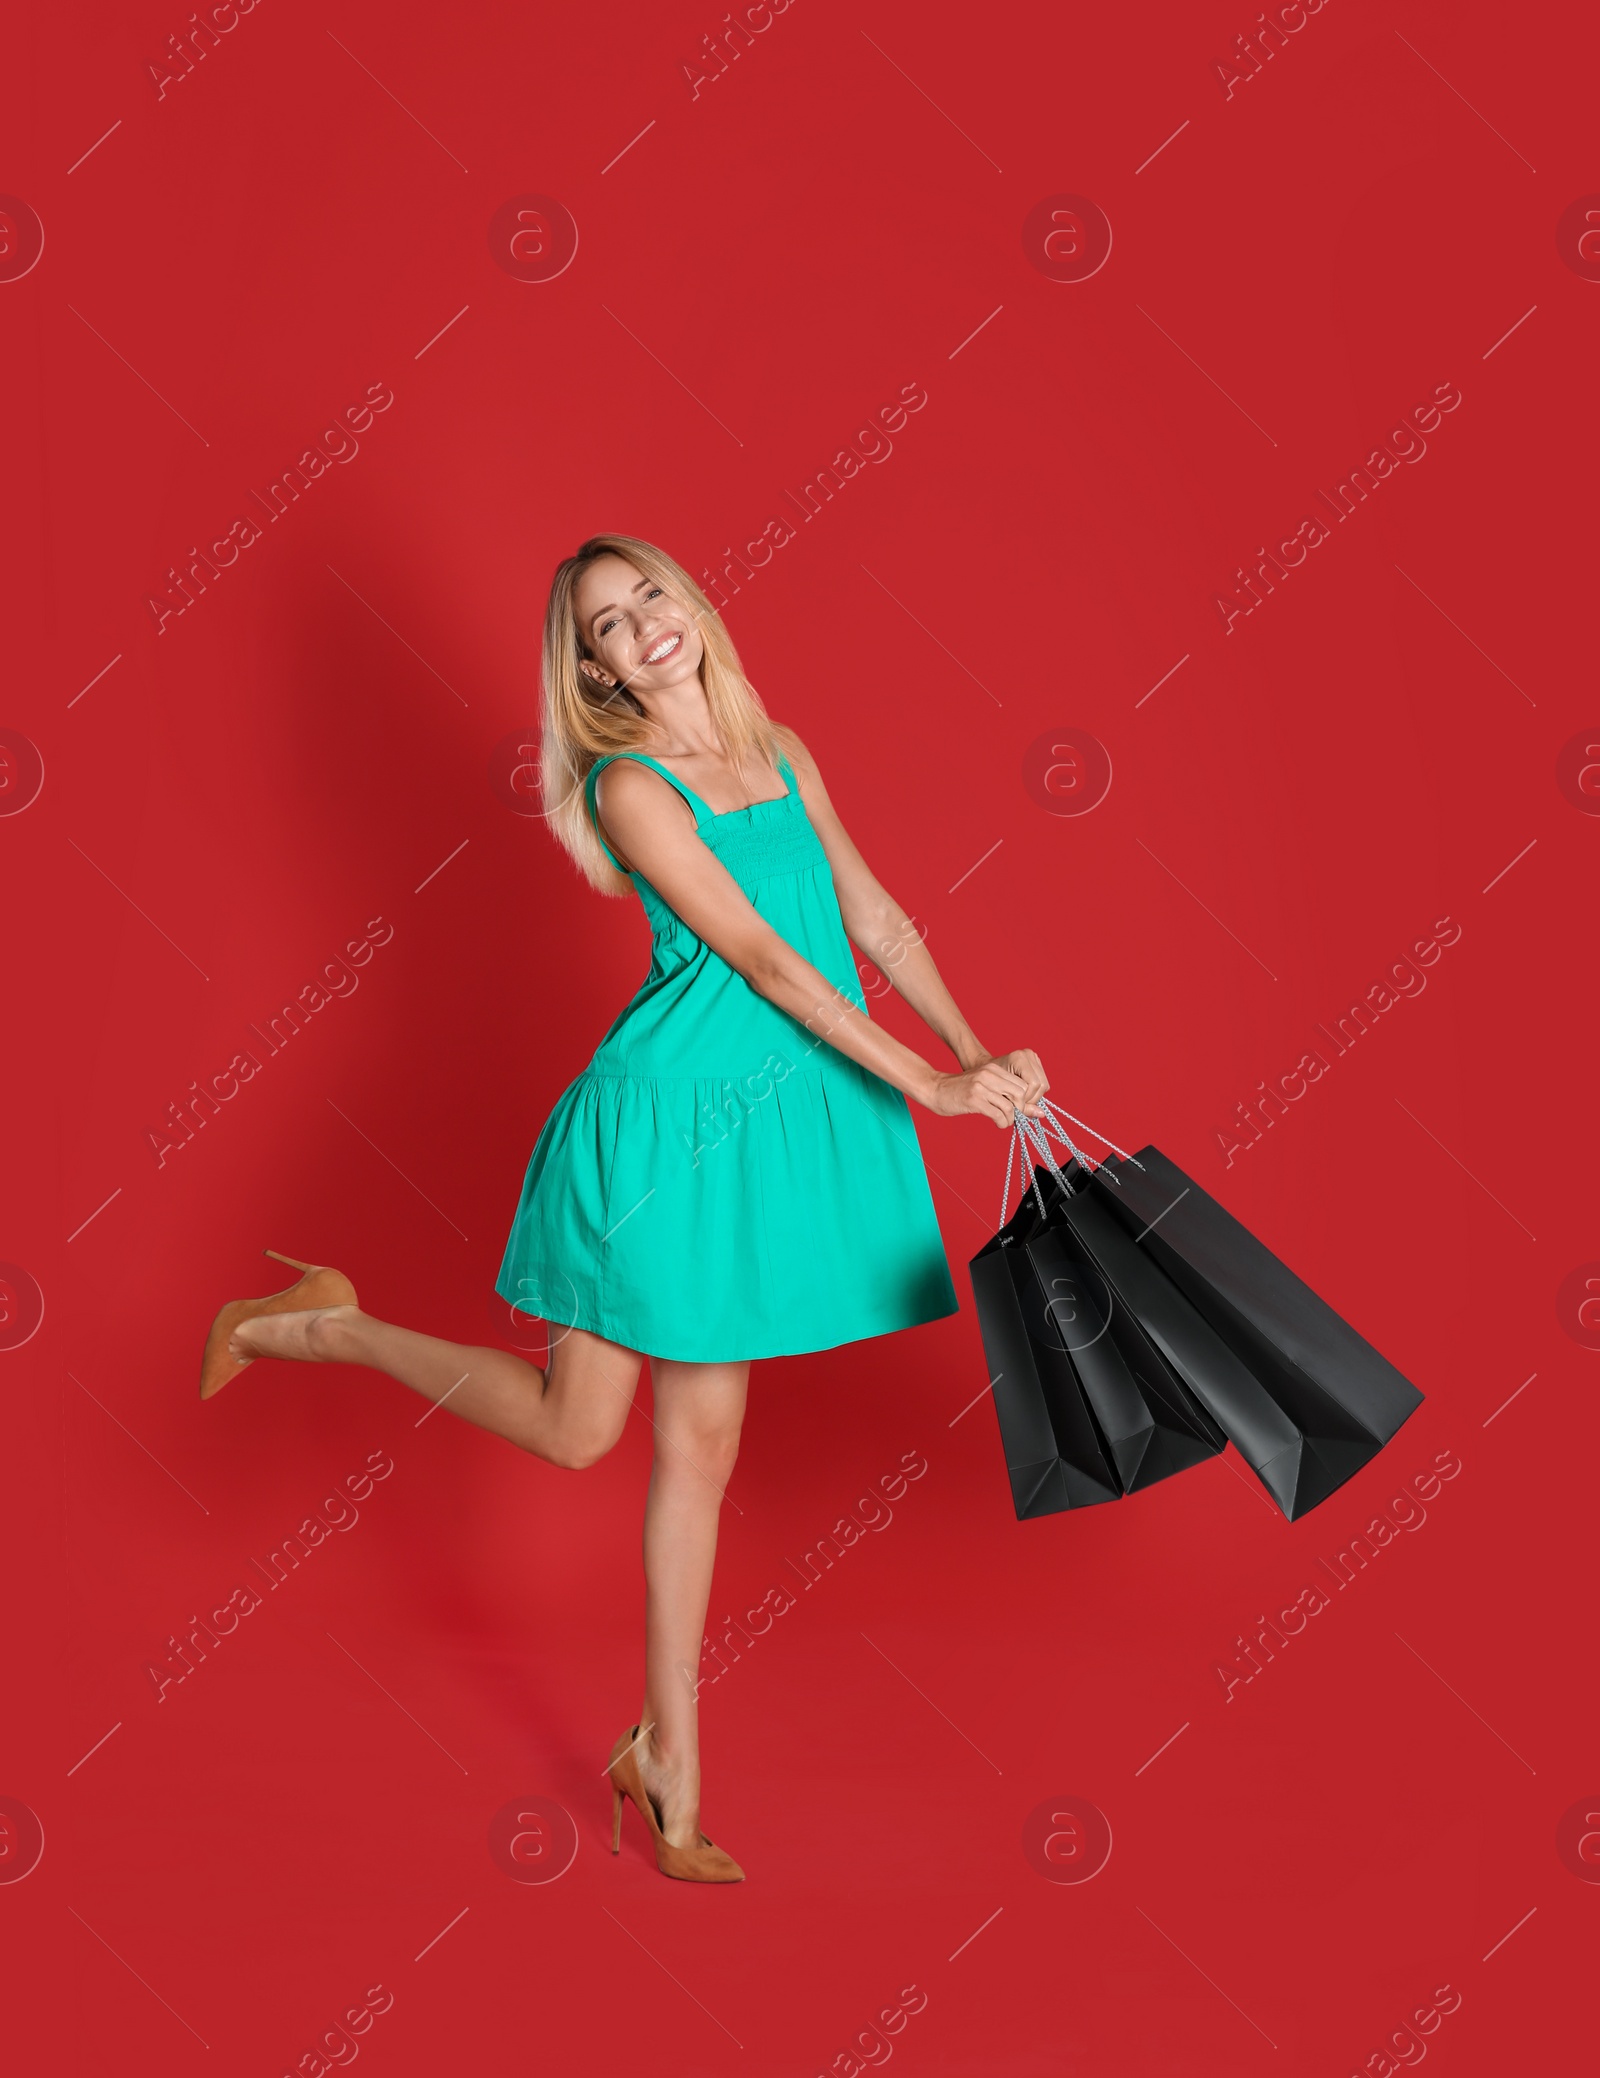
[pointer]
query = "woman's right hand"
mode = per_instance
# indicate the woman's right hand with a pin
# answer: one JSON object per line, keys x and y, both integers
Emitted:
{"x": 990, "y": 1090}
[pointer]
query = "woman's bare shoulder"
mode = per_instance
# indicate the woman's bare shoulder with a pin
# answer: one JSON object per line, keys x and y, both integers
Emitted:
{"x": 794, "y": 750}
{"x": 623, "y": 773}
{"x": 634, "y": 789}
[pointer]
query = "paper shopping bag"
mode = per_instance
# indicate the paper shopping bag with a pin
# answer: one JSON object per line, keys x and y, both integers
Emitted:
{"x": 1343, "y": 1399}
{"x": 1088, "y": 1407}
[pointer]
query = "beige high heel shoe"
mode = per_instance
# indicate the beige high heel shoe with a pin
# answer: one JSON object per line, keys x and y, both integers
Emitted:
{"x": 318, "y": 1286}
{"x": 706, "y": 1863}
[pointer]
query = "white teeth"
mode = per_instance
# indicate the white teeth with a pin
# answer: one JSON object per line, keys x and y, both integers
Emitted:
{"x": 661, "y": 649}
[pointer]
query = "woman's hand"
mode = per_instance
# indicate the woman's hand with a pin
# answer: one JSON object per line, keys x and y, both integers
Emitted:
{"x": 997, "y": 1087}
{"x": 1028, "y": 1065}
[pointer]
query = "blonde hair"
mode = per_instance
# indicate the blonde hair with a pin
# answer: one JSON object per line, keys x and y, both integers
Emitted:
{"x": 584, "y": 721}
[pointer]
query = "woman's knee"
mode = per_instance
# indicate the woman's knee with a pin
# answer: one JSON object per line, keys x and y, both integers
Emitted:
{"x": 709, "y": 1449}
{"x": 589, "y": 1393}
{"x": 579, "y": 1448}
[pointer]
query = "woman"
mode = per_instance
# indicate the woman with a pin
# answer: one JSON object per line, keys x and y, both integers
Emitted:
{"x": 735, "y": 1174}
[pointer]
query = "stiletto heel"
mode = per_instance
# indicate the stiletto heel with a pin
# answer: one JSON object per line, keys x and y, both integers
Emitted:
{"x": 706, "y": 1863}
{"x": 318, "y": 1286}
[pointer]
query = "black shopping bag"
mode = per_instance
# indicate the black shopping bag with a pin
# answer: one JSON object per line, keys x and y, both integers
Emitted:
{"x": 1265, "y": 1434}
{"x": 1088, "y": 1408}
{"x": 1341, "y": 1399}
{"x": 1054, "y": 1456}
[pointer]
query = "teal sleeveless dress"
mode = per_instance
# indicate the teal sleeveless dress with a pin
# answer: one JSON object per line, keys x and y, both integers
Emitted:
{"x": 719, "y": 1183}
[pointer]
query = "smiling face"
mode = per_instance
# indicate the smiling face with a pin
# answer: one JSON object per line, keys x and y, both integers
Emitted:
{"x": 637, "y": 633}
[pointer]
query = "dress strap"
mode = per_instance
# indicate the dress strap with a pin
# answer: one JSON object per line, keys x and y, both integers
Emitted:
{"x": 786, "y": 770}
{"x": 702, "y": 814}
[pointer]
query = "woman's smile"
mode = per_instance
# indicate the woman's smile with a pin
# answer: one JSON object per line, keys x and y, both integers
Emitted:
{"x": 666, "y": 646}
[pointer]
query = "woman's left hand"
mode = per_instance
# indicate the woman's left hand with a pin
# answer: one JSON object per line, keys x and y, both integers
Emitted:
{"x": 1026, "y": 1064}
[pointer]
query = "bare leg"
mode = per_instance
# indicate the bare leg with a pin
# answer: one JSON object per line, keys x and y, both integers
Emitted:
{"x": 698, "y": 1412}
{"x": 570, "y": 1413}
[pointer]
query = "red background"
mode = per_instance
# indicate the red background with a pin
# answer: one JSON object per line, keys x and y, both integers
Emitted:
{"x": 298, "y": 752}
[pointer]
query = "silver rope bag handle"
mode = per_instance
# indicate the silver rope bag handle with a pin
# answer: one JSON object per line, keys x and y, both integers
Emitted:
{"x": 1033, "y": 1136}
{"x": 1026, "y": 1135}
{"x": 1052, "y": 1125}
{"x": 1016, "y": 1140}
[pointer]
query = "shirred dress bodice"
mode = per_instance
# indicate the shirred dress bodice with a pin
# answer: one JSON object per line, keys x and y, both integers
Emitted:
{"x": 693, "y": 1015}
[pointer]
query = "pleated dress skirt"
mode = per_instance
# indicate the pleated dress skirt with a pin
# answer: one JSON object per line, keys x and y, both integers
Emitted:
{"x": 720, "y": 1183}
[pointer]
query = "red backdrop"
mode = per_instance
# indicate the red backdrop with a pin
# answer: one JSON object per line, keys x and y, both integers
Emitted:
{"x": 349, "y": 237}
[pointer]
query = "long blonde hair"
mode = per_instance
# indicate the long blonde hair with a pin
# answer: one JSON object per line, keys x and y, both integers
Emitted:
{"x": 584, "y": 721}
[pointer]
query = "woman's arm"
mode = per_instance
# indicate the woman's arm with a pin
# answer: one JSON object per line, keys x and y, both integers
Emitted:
{"x": 650, "y": 823}
{"x": 879, "y": 927}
